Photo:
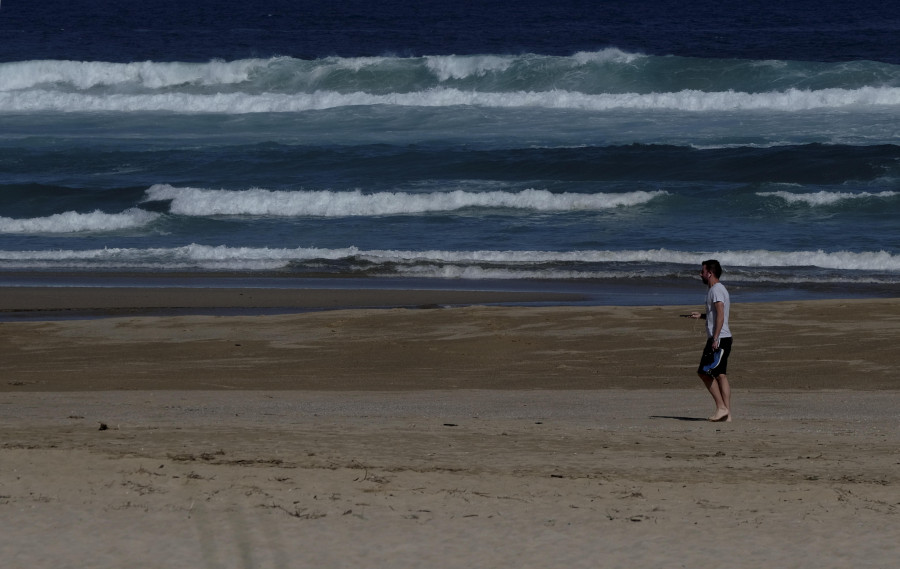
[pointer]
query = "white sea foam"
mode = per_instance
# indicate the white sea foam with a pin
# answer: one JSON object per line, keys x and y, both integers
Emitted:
{"x": 446, "y": 67}
{"x": 73, "y": 222}
{"x": 459, "y": 67}
{"x": 16, "y": 76}
{"x": 591, "y": 69}
{"x": 34, "y": 100}
{"x": 608, "y": 55}
{"x": 160, "y": 75}
{"x": 203, "y": 202}
{"x": 840, "y": 260}
{"x": 519, "y": 273}
{"x": 462, "y": 264}
{"x": 826, "y": 198}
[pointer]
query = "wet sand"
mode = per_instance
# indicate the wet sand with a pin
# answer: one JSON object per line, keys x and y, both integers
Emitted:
{"x": 450, "y": 437}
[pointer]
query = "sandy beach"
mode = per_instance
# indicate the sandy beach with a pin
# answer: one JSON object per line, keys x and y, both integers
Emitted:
{"x": 470, "y": 436}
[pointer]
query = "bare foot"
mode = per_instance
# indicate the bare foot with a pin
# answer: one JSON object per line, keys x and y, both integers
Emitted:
{"x": 721, "y": 415}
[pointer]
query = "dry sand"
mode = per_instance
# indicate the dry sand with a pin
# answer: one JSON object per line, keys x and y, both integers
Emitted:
{"x": 461, "y": 437}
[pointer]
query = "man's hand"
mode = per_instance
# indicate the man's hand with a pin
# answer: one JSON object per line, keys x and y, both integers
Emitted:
{"x": 693, "y": 315}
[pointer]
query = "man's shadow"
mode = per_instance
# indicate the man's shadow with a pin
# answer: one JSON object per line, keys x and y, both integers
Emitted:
{"x": 678, "y": 418}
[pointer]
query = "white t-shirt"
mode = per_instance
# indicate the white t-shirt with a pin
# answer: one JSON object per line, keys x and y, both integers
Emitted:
{"x": 717, "y": 293}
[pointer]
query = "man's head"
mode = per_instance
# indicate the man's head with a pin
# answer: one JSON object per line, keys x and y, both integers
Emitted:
{"x": 710, "y": 268}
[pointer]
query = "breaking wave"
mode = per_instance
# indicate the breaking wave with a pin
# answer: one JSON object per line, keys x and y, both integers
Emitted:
{"x": 448, "y": 264}
{"x": 824, "y": 198}
{"x": 73, "y": 222}
{"x": 792, "y": 100}
{"x": 596, "y": 81}
{"x": 203, "y": 202}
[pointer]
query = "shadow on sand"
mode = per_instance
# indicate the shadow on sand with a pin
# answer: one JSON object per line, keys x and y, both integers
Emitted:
{"x": 677, "y": 418}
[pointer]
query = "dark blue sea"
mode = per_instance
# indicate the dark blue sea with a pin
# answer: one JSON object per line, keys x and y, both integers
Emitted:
{"x": 606, "y": 147}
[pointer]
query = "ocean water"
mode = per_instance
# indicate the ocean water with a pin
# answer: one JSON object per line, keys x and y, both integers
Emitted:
{"x": 607, "y": 147}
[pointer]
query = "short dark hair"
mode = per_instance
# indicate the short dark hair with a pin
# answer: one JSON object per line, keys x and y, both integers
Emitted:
{"x": 713, "y": 266}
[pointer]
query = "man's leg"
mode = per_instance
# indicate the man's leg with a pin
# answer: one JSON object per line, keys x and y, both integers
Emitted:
{"x": 713, "y": 386}
{"x": 725, "y": 390}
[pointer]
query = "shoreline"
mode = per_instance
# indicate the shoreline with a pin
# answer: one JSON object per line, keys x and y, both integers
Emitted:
{"x": 807, "y": 345}
{"x": 35, "y": 302}
{"x": 33, "y": 294}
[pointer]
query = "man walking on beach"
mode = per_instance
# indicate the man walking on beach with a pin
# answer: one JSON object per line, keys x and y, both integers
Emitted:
{"x": 714, "y": 361}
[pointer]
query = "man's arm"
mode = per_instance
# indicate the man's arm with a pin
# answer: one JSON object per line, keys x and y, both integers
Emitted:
{"x": 720, "y": 322}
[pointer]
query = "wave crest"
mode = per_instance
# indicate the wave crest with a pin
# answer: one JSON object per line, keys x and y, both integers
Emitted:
{"x": 825, "y": 198}
{"x": 243, "y": 103}
{"x": 204, "y": 202}
{"x": 73, "y": 222}
{"x": 467, "y": 264}
{"x": 602, "y": 80}
{"x": 82, "y": 75}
